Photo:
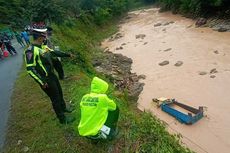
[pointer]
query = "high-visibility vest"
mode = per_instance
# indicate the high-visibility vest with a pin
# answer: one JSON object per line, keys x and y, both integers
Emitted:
{"x": 94, "y": 108}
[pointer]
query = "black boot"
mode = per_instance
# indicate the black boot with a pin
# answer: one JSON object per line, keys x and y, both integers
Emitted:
{"x": 67, "y": 120}
{"x": 69, "y": 110}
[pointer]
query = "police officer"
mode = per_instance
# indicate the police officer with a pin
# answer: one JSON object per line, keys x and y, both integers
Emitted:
{"x": 55, "y": 61}
{"x": 99, "y": 113}
{"x": 39, "y": 66}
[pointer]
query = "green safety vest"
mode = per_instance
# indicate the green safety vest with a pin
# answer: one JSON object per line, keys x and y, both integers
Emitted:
{"x": 34, "y": 64}
{"x": 46, "y": 48}
{"x": 94, "y": 108}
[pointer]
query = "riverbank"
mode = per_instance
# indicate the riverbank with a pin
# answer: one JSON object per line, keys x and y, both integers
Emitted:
{"x": 183, "y": 62}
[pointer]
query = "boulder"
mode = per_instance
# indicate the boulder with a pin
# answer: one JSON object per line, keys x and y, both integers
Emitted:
{"x": 200, "y": 22}
{"x": 157, "y": 24}
{"x": 164, "y": 63}
{"x": 178, "y": 63}
{"x": 140, "y": 36}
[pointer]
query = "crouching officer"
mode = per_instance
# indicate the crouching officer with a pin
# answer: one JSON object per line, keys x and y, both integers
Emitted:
{"x": 39, "y": 66}
{"x": 99, "y": 114}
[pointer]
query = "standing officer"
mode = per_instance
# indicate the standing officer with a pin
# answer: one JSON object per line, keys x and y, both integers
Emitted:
{"x": 47, "y": 45}
{"x": 39, "y": 66}
{"x": 55, "y": 61}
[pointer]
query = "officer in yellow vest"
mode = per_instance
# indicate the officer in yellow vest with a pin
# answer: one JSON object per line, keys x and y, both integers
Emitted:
{"x": 48, "y": 46}
{"x": 39, "y": 66}
{"x": 99, "y": 114}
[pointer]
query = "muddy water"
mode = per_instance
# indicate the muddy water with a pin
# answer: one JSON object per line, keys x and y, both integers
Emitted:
{"x": 201, "y": 50}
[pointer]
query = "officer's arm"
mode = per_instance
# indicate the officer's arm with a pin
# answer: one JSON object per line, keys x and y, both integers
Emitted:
{"x": 111, "y": 104}
{"x": 60, "y": 54}
{"x": 55, "y": 53}
{"x": 30, "y": 60}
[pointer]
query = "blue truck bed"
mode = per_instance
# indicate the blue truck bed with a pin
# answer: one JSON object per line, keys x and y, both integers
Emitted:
{"x": 191, "y": 117}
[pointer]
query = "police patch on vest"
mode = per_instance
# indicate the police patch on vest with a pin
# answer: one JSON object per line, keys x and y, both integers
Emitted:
{"x": 29, "y": 55}
{"x": 90, "y": 101}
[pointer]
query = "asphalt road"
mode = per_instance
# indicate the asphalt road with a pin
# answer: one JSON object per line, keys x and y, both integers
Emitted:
{"x": 9, "y": 68}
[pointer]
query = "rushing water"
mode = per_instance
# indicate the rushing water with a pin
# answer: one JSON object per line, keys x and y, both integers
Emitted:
{"x": 200, "y": 50}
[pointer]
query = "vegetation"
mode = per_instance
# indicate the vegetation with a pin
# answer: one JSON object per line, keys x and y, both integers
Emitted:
{"x": 18, "y": 13}
{"x": 195, "y": 8}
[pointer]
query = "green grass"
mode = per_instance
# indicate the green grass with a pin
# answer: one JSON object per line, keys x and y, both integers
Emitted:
{"x": 33, "y": 120}
{"x": 3, "y": 26}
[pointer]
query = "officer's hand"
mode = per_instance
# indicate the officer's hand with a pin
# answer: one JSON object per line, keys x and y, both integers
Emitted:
{"x": 44, "y": 86}
{"x": 72, "y": 55}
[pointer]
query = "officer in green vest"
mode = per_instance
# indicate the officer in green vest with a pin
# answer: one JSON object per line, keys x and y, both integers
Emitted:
{"x": 48, "y": 45}
{"x": 99, "y": 114}
{"x": 39, "y": 66}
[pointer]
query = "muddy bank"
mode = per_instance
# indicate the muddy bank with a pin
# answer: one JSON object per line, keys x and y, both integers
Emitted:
{"x": 183, "y": 62}
{"x": 117, "y": 68}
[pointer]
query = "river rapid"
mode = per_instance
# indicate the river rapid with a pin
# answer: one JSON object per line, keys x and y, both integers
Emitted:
{"x": 201, "y": 76}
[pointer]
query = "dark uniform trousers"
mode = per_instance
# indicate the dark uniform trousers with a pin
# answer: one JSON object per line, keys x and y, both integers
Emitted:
{"x": 54, "y": 91}
{"x": 112, "y": 118}
{"x": 58, "y": 67}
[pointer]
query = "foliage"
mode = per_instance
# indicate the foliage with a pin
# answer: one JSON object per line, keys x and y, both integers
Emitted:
{"x": 19, "y": 13}
{"x": 197, "y": 7}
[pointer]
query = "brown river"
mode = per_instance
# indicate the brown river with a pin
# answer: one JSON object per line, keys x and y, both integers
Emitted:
{"x": 202, "y": 77}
